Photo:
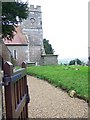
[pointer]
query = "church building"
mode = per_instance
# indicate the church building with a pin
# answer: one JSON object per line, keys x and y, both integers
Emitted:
{"x": 27, "y": 44}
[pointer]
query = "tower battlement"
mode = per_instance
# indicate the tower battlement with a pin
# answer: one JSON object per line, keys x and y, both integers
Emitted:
{"x": 35, "y": 8}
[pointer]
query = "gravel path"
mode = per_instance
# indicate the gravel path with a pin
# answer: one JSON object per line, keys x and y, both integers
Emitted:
{"x": 50, "y": 102}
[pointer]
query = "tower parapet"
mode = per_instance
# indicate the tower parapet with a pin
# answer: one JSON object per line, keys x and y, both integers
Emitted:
{"x": 33, "y": 8}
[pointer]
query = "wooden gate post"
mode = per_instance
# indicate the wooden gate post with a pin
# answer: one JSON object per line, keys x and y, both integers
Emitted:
{"x": 8, "y": 71}
{"x": 0, "y": 95}
{"x": 16, "y": 92}
{"x": 24, "y": 65}
{"x": 26, "y": 90}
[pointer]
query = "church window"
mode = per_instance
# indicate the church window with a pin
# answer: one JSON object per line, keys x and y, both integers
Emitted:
{"x": 15, "y": 54}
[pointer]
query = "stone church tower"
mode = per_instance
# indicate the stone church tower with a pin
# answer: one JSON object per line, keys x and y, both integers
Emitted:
{"x": 32, "y": 27}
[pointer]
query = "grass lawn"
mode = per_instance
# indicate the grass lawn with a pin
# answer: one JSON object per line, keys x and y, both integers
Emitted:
{"x": 67, "y": 77}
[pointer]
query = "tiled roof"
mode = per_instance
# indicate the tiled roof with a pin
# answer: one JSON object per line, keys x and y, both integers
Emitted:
{"x": 19, "y": 38}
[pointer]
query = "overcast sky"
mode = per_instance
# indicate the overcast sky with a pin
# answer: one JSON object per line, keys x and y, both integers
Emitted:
{"x": 65, "y": 25}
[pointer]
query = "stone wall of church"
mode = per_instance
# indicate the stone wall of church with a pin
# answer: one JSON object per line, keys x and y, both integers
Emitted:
{"x": 21, "y": 53}
{"x": 35, "y": 37}
{"x": 35, "y": 54}
{"x": 5, "y": 52}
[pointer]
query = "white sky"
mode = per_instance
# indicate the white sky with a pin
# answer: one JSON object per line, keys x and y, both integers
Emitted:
{"x": 65, "y": 25}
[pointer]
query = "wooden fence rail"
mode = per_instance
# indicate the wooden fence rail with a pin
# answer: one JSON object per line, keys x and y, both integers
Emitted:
{"x": 16, "y": 91}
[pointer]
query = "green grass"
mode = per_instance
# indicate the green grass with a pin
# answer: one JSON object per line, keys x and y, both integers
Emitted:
{"x": 64, "y": 76}
{"x": 17, "y": 67}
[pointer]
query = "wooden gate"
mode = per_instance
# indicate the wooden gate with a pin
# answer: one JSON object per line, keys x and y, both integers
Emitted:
{"x": 0, "y": 94}
{"x": 16, "y": 91}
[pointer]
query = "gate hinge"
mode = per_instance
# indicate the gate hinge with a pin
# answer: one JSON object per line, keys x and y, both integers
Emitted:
{"x": 6, "y": 81}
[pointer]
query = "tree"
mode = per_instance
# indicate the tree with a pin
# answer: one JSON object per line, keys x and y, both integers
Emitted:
{"x": 10, "y": 11}
{"x": 72, "y": 62}
{"x": 48, "y": 47}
